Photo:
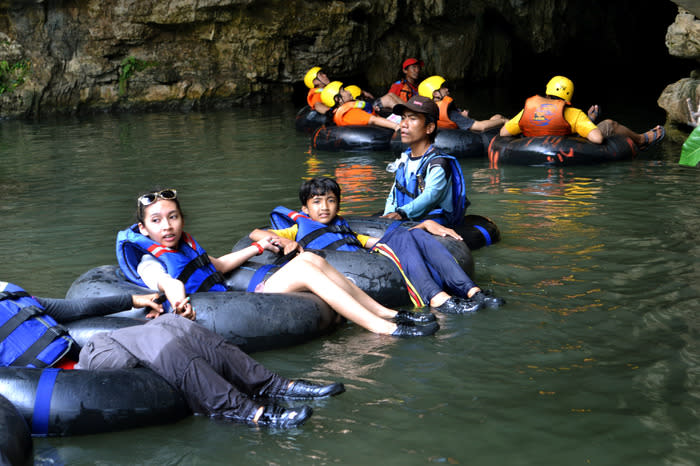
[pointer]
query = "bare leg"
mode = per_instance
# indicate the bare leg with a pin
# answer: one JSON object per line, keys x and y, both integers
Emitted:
{"x": 352, "y": 289}
{"x": 304, "y": 275}
{"x": 439, "y": 299}
{"x": 642, "y": 140}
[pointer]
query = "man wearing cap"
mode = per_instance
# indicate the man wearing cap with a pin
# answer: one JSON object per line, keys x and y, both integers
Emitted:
{"x": 427, "y": 183}
{"x": 403, "y": 89}
{"x": 408, "y": 86}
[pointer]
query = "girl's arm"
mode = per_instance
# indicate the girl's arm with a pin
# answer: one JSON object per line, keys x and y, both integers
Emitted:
{"x": 233, "y": 260}
{"x": 154, "y": 275}
{"x": 286, "y": 244}
{"x": 174, "y": 290}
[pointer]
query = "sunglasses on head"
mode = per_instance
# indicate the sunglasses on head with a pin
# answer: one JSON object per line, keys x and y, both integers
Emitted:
{"x": 150, "y": 198}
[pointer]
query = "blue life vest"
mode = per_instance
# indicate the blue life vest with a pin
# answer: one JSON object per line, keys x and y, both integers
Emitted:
{"x": 28, "y": 336}
{"x": 315, "y": 235}
{"x": 189, "y": 263}
{"x": 406, "y": 190}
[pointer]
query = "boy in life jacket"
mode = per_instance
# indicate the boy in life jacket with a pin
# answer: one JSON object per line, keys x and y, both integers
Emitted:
{"x": 348, "y": 111}
{"x": 432, "y": 276}
{"x": 553, "y": 115}
{"x": 451, "y": 117}
{"x": 215, "y": 377}
{"x": 427, "y": 184}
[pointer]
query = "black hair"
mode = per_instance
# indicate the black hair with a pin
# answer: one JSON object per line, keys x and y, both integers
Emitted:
{"x": 431, "y": 119}
{"x": 141, "y": 209}
{"x": 318, "y": 187}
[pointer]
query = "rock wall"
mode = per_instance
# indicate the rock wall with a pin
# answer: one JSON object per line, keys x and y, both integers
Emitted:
{"x": 682, "y": 98}
{"x": 95, "y": 55}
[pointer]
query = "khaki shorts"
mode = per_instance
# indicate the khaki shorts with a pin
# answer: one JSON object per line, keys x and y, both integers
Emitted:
{"x": 606, "y": 127}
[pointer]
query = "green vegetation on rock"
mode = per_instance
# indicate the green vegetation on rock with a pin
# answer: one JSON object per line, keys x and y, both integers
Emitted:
{"x": 129, "y": 66}
{"x": 13, "y": 74}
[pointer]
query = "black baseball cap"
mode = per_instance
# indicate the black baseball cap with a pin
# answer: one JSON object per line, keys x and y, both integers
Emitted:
{"x": 418, "y": 104}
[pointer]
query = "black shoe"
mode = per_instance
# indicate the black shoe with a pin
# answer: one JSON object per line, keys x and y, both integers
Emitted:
{"x": 279, "y": 416}
{"x": 486, "y": 299}
{"x": 408, "y": 317}
{"x": 300, "y": 389}
{"x": 403, "y": 330}
{"x": 455, "y": 305}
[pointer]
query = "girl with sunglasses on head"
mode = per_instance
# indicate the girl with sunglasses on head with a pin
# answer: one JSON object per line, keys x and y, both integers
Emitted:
{"x": 157, "y": 253}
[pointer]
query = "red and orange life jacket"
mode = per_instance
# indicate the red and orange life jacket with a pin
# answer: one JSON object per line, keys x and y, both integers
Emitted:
{"x": 544, "y": 117}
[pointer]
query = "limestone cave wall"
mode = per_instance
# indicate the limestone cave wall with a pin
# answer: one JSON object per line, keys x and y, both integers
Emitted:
{"x": 71, "y": 56}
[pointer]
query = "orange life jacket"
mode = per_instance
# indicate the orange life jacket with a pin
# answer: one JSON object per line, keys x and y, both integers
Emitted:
{"x": 347, "y": 106}
{"x": 544, "y": 117}
{"x": 314, "y": 96}
{"x": 444, "y": 121}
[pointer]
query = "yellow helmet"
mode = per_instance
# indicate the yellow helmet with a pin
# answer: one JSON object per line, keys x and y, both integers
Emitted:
{"x": 430, "y": 85}
{"x": 354, "y": 90}
{"x": 310, "y": 76}
{"x": 329, "y": 92}
{"x": 561, "y": 87}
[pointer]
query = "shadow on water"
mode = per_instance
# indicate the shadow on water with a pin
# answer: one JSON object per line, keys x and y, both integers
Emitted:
{"x": 592, "y": 361}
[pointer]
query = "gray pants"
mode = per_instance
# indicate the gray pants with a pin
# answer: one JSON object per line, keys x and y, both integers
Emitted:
{"x": 216, "y": 377}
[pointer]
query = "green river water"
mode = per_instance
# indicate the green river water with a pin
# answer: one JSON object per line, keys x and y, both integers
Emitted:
{"x": 594, "y": 360}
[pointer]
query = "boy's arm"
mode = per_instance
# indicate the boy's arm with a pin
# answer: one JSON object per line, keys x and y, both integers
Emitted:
{"x": 371, "y": 241}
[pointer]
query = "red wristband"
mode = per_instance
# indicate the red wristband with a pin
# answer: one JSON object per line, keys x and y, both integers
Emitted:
{"x": 260, "y": 248}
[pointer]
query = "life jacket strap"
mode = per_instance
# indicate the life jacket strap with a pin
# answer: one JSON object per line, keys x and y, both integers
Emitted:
{"x": 342, "y": 229}
{"x": 351, "y": 240}
{"x": 211, "y": 280}
{"x": 259, "y": 276}
{"x": 405, "y": 191}
{"x": 30, "y": 356}
{"x": 13, "y": 295}
{"x": 194, "y": 265}
{"x": 16, "y": 320}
